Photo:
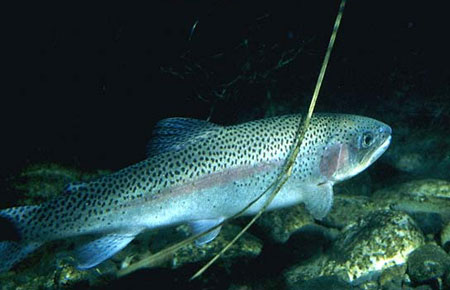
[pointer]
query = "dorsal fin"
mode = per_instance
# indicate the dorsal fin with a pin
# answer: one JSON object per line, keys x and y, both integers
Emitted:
{"x": 74, "y": 187}
{"x": 174, "y": 134}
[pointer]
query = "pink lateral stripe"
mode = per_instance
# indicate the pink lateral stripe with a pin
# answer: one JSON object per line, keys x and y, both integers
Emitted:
{"x": 209, "y": 180}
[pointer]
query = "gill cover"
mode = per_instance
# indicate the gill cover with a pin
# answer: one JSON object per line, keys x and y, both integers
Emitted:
{"x": 355, "y": 150}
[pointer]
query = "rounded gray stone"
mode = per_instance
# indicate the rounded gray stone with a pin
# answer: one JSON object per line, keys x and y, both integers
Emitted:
{"x": 428, "y": 262}
{"x": 377, "y": 242}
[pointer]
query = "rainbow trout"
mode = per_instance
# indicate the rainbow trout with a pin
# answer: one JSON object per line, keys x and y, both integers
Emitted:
{"x": 197, "y": 173}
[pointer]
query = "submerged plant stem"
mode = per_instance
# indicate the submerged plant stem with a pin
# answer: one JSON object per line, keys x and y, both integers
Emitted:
{"x": 289, "y": 164}
{"x": 275, "y": 186}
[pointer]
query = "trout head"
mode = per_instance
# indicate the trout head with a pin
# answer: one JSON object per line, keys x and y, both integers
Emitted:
{"x": 354, "y": 143}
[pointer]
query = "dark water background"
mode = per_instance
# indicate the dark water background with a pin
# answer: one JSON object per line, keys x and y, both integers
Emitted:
{"x": 83, "y": 84}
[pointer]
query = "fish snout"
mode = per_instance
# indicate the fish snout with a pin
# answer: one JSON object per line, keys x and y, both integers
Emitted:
{"x": 385, "y": 130}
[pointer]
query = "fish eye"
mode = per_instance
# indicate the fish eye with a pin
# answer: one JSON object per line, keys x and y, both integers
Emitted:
{"x": 366, "y": 140}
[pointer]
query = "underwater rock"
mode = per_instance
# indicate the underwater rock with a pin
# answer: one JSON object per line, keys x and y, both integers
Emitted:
{"x": 445, "y": 238}
{"x": 422, "y": 287}
{"x": 348, "y": 209}
{"x": 245, "y": 246}
{"x": 324, "y": 282}
{"x": 428, "y": 262}
{"x": 281, "y": 224}
{"x": 44, "y": 277}
{"x": 393, "y": 277}
{"x": 56, "y": 270}
{"x": 447, "y": 280}
{"x": 417, "y": 197}
{"x": 378, "y": 241}
{"x": 153, "y": 241}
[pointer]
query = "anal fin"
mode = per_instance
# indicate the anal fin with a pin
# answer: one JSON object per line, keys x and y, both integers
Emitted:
{"x": 101, "y": 249}
{"x": 13, "y": 252}
{"x": 200, "y": 226}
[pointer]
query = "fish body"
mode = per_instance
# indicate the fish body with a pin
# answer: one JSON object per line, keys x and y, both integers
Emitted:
{"x": 201, "y": 174}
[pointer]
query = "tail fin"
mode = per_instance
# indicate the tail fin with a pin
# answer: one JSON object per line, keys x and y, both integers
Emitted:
{"x": 14, "y": 247}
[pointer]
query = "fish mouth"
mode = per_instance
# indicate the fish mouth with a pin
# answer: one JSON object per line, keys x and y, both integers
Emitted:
{"x": 380, "y": 150}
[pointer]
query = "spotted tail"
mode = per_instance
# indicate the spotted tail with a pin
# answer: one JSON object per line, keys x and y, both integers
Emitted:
{"x": 14, "y": 245}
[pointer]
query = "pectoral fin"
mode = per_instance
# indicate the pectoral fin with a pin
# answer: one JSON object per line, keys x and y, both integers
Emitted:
{"x": 319, "y": 199}
{"x": 98, "y": 250}
{"x": 200, "y": 226}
